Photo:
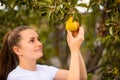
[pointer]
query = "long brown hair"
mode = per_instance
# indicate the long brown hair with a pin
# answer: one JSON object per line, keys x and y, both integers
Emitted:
{"x": 8, "y": 59}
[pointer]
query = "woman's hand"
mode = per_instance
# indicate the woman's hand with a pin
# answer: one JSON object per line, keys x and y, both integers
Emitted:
{"x": 75, "y": 40}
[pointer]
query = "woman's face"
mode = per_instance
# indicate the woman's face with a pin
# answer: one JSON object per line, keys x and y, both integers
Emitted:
{"x": 30, "y": 47}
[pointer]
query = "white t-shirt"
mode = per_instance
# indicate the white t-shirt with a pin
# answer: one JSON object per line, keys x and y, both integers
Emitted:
{"x": 43, "y": 72}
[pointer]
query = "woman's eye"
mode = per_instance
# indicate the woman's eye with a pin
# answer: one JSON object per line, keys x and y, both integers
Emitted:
{"x": 38, "y": 39}
{"x": 31, "y": 40}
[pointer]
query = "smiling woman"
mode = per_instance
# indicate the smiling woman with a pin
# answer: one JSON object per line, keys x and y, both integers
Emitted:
{"x": 21, "y": 50}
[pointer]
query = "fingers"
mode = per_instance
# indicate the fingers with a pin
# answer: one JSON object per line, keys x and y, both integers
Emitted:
{"x": 69, "y": 33}
{"x": 81, "y": 30}
{"x": 79, "y": 33}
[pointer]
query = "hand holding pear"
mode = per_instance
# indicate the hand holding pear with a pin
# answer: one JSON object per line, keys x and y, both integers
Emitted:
{"x": 72, "y": 26}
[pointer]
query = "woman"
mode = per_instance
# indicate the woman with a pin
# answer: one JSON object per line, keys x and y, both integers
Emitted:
{"x": 22, "y": 48}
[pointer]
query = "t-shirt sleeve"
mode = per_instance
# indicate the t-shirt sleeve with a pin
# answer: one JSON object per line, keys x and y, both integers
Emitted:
{"x": 52, "y": 71}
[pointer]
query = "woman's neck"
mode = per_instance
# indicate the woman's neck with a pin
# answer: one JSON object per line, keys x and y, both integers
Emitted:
{"x": 28, "y": 65}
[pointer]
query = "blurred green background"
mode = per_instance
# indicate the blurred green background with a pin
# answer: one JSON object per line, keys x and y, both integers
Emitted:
{"x": 101, "y": 20}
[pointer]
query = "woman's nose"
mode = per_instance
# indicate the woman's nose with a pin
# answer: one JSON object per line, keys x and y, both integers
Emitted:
{"x": 39, "y": 43}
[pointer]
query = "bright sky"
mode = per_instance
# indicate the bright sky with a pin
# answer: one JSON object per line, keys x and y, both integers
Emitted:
{"x": 83, "y": 9}
{"x": 2, "y": 6}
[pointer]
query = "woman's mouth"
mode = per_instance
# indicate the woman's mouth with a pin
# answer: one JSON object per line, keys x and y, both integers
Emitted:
{"x": 39, "y": 50}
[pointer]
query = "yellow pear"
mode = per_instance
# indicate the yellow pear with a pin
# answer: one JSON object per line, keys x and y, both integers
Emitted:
{"x": 72, "y": 25}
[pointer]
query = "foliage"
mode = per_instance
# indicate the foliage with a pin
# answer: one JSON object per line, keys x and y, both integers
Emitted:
{"x": 109, "y": 34}
{"x": 48, "y": 18}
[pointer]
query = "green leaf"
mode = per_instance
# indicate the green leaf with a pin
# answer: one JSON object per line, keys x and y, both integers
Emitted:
{"x": 42, "y": 4}
{"x": 108, "y": 11}
{"x": 57, "y": 9}
{"x": 92, "y": 3}
{"x": 48, "y": 1}
{"x": 117, "y": 39}
{"x": 74, "y": 2}
{"x": 104, "y": 40}
{"x": 48, "y": 16}
{"x": 77, "y": 16}
{"x": 111, "y": 30}
{"x": 82, "y": 5}
{"x": 62, "y": 14}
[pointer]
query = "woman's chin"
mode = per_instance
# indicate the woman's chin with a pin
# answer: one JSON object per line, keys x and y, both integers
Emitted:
{"x": 40, "y": 55}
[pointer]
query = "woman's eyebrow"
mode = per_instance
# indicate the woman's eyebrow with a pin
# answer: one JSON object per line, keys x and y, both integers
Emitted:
{"x": 33, "y": 37}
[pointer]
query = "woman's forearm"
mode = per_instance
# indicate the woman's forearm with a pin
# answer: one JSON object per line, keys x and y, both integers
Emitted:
{"x": 77, "y": 69}
{"x": 74, "y": 71}
{"x": 83, "y": 72}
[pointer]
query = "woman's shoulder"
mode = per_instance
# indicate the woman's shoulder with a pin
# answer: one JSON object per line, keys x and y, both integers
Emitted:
{"x": 19, "y": 74}
{"x": 13, "y": 73}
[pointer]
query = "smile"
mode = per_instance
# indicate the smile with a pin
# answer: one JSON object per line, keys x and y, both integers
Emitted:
{"x": 39, "y": 50}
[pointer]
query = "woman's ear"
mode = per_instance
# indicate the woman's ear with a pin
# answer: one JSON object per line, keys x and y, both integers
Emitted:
{"x": 17, "y": 51}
